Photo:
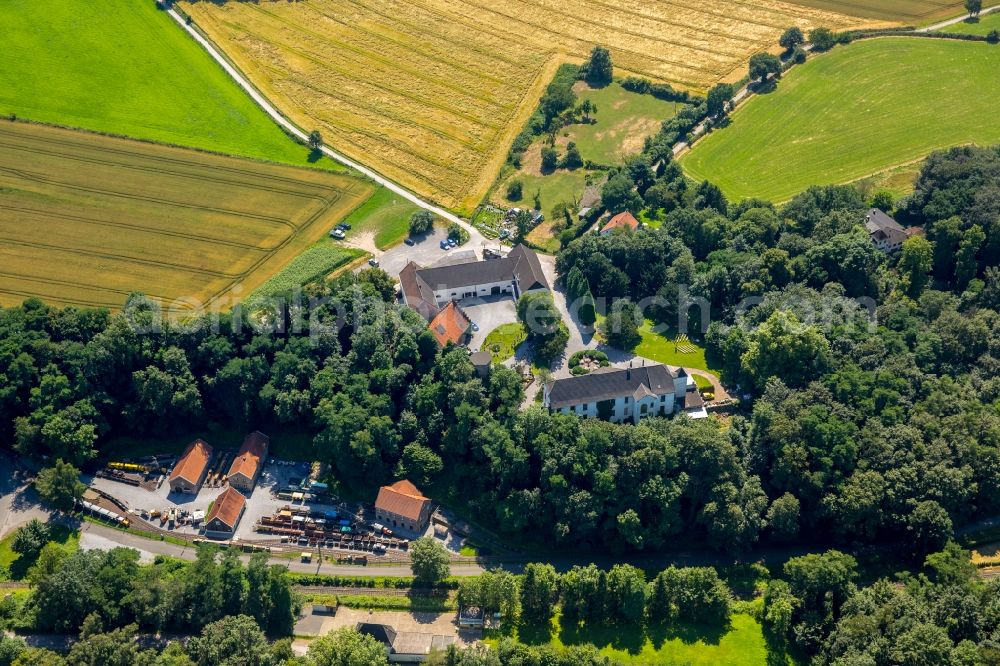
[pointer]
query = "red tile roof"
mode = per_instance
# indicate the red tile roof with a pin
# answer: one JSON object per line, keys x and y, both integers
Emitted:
{"x": 621, "y": 221}
{"x": 192, "y": 462}
{"x": 250, "y": 455}
{"x": 227, "y": 508}
{"x": 450, "y": 325}
{"x": 402, "y": 499}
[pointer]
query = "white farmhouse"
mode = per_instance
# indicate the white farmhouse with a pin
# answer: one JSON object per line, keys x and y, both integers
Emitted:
{"x": 625, "y": 395}
{"x": 427, "y": 290}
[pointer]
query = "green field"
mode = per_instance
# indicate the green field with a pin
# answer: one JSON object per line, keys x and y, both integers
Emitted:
{"x": 317, "y": 262}
{"x": 623, "y": 121}
{"x": 986, "y": 24}
{"x": 123, "y": 67}
{"x": 742, "y": 643}
{"x": 386, "y": 216}
{"x": 859, "y": 110}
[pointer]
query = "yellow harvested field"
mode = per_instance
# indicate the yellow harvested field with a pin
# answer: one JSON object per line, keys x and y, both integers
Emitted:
{"x": 87, "y": 219}
{"x": 432, "y": 92}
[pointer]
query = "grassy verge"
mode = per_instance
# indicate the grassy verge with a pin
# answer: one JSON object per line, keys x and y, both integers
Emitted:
{"x": 983, "y": 26}
{"x": 741, "y": 643}
{"x": 504, "y": 340}
{"x": 315, "y": 263}
{"x": 412, "y": 604}
{"x": 135, "y": 531}
{"x": 385, "y": 215}
{"x": 14, "y": 566}
{"x": 861, "y": 109}
{"x": 123, "y": 67}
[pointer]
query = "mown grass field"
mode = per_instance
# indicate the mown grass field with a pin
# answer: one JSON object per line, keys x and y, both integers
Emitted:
{"x": 623, "y": 121}
{"x": 432, "y": 92}
{"x": 741, "y": 644}
{"x": 986, "y": 24}
{"x": 87, "y": 219}
{"x": 385, "y": 217}
{"x": 123, "y": 67}
{"x": 858, "y": 110}
{"x": 905, "y": 11}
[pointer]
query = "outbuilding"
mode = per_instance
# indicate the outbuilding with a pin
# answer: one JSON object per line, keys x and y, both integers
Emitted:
{"x": 191, "y": 468}
{"x": 225, "y": 514}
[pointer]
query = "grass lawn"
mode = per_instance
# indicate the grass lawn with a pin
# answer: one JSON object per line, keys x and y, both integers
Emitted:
{"x": 14, "y": 567}
{"x": 741, "y": 644}
{"x": 124, "y": 67}
{"x": 386, "y": 216}
{"x": 504, "y": 340}
{"x": 983, "y": 26}
{"x": 623, "y": 121}
{"x": 859, "y": 110}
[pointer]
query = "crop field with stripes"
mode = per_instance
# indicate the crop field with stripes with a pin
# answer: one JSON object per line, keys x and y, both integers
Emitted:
{"x": 906, "y": 11}
{"x": 86, "y": 219}
{"x": 432, "y": 92}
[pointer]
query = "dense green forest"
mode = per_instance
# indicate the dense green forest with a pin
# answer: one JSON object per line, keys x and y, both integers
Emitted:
{"x": 861, "y": 431}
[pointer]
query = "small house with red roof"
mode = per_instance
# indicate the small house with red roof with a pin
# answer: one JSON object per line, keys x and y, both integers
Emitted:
{"x": 620, "y": 221}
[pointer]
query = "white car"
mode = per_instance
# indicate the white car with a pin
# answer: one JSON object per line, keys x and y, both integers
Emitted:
{"x": 338, "y": 234}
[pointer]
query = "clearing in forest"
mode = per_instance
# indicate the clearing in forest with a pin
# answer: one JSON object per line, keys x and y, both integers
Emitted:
{"x": 861, "y": 109}
{"x": 432, "y": 92}
{"x": 87, "y": 219}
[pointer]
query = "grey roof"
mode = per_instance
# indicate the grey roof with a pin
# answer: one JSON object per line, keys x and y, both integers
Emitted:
{"x": 417, "y": 292}
{"x": 521, "y": 263}
{"x": 882, "y": 227}
{"x": 527, "y": 269}
{"x": 610, "y": 383}
{"x": 481, "y": 358}
{"x": 383, "y": 633}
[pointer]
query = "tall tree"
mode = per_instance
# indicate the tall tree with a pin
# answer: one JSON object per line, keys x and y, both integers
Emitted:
{"x": 60, "y": 485}
{"x": 428, "y": 561}
{"x": 599, "y": 69}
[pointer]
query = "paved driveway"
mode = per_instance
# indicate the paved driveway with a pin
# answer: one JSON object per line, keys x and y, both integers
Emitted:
{"x": 18, "y": 500}
{"x": 488, "y": 313}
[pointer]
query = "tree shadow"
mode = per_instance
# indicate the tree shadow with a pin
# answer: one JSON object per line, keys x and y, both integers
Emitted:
{"x": 625, "y": 637}
{"x": 314, "y": 155}
{"x": 764, "y": 87}
{"x": 534, "y": 634}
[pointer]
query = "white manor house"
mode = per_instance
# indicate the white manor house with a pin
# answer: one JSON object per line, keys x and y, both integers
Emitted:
{"x": 626, "y": 394}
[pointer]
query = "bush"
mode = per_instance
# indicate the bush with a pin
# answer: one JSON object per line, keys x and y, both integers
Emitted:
{"x": 515, "y": 190}
{"x": 993, "y": 37}
{"x": 822, "y": 39}
{"x": 457, "y": 233}
{"x": 550, "y": 159}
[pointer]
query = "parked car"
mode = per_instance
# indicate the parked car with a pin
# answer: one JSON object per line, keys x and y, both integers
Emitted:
{"x": 475, "y": 327}
{"x": 452, "y": 242}
{"x": 342, "y": 227}
{"x": 338, "y": 234}
{"x": 346, "y": 225}
{"x": 410, "y": 242}
{"x": 373, "y": 262}
{"x": 445, "y": 245}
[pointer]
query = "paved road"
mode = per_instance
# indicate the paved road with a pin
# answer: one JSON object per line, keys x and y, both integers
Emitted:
{"x": 18, "y": 500}
{"x": 277, "y": 116}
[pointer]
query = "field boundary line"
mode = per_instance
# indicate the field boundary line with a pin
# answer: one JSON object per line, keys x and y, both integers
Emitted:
{"x": 298, "y": 133}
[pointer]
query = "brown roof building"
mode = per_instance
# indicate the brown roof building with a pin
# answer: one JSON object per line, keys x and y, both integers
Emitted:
{"x": 225, "y": 515}
{"x": 451, "y": 324}
{"x": 620, "y": 221}
{"x": 249, "y": 461}
{"x": 189, "y": 472}
{"x": 402, "y": 506}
